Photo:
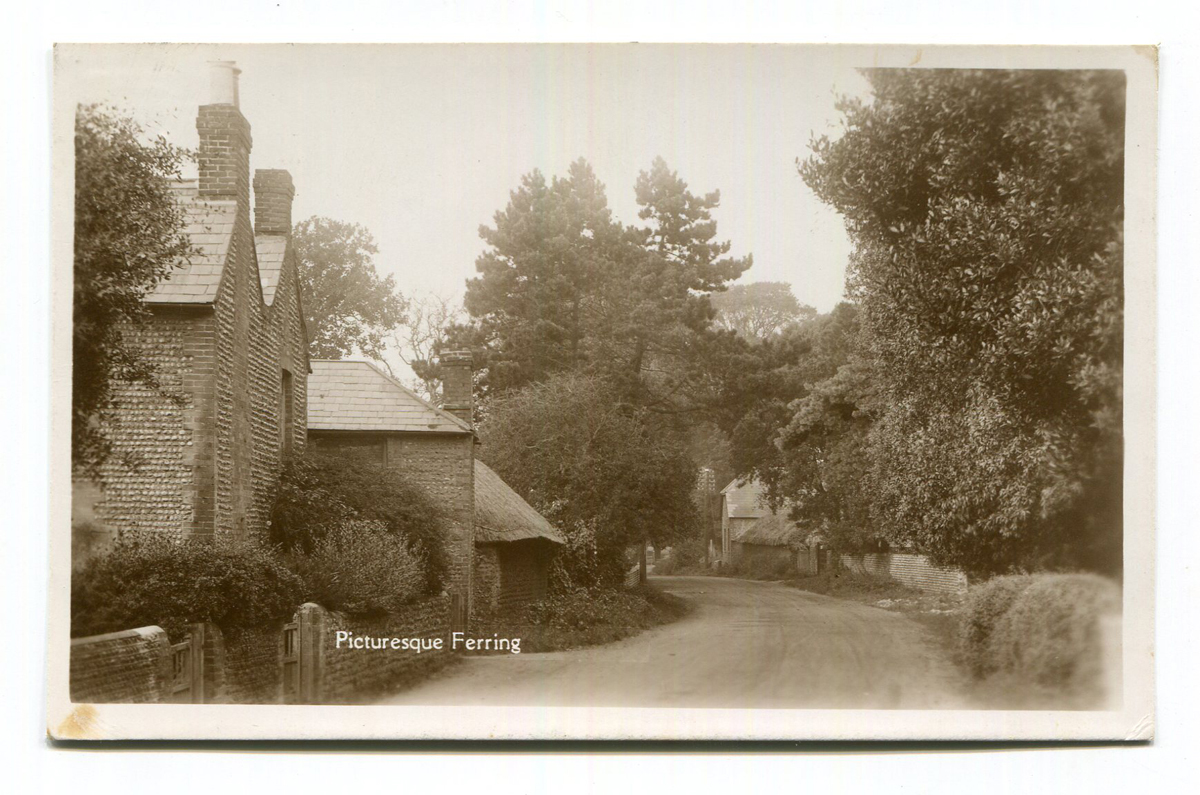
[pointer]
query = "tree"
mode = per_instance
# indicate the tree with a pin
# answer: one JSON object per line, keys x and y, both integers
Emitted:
{"x": 566, "y": 288}
{"x": 584, "y": 457}
{"x": 348, "y": 307}
{"x": 422, "y": 335}
{"x": 128, "y": 237}
{"x": 986, "y": 214}
{"x": 760, "y": 309}
{"x": 549, "y": 249}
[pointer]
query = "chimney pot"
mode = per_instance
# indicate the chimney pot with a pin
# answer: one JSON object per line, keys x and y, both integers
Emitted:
{"x": 223, "y": 82}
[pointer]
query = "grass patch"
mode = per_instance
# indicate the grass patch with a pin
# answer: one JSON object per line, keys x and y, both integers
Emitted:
{"x": 588, "y": 618}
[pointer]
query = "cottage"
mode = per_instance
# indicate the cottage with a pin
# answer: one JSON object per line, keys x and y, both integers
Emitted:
{"x": 201, "y": 456}
{"x": 499, "y": 547}
{"x": 772, "y": 542}
{"x": 742, "y": 504}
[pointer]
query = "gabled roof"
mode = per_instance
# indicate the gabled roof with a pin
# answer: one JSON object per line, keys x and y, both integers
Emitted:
{"x": 771, "y": 530}
{"x": 357, "y": 396}
{"x": 209, "y": 227}
{"x": 271, "y": 250}
{"x": 501, "y": 514}
{"x": 744, "y": 499}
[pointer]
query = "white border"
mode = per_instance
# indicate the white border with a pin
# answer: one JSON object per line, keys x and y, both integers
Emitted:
{"x": 1134, "y": 721}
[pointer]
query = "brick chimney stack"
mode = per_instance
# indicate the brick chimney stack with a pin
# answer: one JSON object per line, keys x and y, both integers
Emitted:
{"x": 457, "y": 394}
{"x": 273, "y": 192}
{"x": 224, "y": 156}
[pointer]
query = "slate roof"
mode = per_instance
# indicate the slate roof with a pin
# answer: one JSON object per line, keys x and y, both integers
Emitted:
{"x": 209, "y": 227}
{"x": 771, "y": 530}
{"x": 743, "y": 499}
{"x": 357, "y": 396}
{"x": 270, "y": 249}
{"x": 501, "y": 514}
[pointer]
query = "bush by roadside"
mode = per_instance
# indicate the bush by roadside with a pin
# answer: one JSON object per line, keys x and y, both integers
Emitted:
{"x": 362, "y": 568}
{"x": 588, "y": 617}
{"x": 986, "y": 605}
{"x": 320, "y": 492}
{"x": 1050, "y": 635}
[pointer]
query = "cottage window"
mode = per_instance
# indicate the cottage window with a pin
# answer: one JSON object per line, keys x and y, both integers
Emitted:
{"x": 286, "y": 414}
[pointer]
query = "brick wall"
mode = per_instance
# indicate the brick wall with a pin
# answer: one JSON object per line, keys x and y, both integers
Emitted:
{"x": 253, "y": 672}
{"x": 914, "y": 571}
{"x": 157, "y": 478}
{"x": 486, "y": 581}
{"x": 355, "y": 674}
{"x": 443, "y": 465}
{"x": 133, "y": 666}
{"x": 360, "y": 447}
{"x": 524, "y": 566}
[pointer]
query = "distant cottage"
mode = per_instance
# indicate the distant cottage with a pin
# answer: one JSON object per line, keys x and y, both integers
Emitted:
{"x": 499, "y": 547}
{"x": 742, "y": 504}
{"x": 202, "y": 456}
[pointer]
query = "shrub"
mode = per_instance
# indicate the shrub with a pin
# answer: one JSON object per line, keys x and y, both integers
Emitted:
{"x": 986, "y": 605}
{"x": 152, "y": 580}
{"x": 361, "y": 567}
{"x": 583, "y": 563}
{"x": 1050, "y": 636}
{"x": 318, "y": 492}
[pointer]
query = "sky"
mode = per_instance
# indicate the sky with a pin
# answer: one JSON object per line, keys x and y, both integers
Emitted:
{"x": 422, "y": 144}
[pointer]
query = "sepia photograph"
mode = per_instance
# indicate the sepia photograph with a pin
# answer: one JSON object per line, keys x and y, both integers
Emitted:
{"x": 603, "y": 391}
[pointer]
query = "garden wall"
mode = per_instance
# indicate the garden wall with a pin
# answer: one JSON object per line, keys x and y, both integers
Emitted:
{"x": 915, "y": 571}
{"x": 297, "y": 662}
{"x": 131, "y": 667}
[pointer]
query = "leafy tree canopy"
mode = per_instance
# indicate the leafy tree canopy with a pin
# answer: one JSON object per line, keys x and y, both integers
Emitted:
{"x": 585, "y": 457}
{"x": 986, "y": 214}
{"x": 348, "y": 307}
{"x": 760, "y": 309}
{"x": 128, "y": 237}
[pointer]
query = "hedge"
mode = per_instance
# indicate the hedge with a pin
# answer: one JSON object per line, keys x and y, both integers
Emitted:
{"x": 152, "y": 580}
{"x": 986, "y": 605}
{"x": 1043, "y": 629}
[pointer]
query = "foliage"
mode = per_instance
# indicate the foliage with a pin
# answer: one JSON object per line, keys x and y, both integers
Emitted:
{"x": 151, "y": 580}
{"x": 1050, "y": 636}
{"x": 986, "y": 214}
{"x": 362, "y": 567}
{"x": 986, "y": 605}
{"x": 583, "y": 457}
{"x": 587, "y": 617}
{"x": 129, "y": 235}
{"x": 759, "y": 310}
{"x": 348, "y": 307}
{"x": 424, "y": 334}
{"x": 319, "y": 494}
{"x": 583, "y": 562}
{"x": 564, "y": 287}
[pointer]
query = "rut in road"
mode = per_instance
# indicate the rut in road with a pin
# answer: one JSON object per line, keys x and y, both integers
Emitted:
{"x": 746, "y": 644}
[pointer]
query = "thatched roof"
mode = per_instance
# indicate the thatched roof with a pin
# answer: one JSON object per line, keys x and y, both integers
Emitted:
{"x": 502, "y": 516}
{"x": 772, "y": 530}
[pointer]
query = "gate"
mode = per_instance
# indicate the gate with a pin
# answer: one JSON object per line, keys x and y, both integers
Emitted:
{"x": 187, "y": 669}
{"x": 302, "y": 640}
{"x": 291, "y": 663}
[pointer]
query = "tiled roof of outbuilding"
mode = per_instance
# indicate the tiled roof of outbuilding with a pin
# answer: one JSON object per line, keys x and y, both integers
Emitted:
{"x": 502, "y": 515}
{"x": 358, "y": 396}
{"x": 744, "y": 499}
{"x": 209, "y": 227}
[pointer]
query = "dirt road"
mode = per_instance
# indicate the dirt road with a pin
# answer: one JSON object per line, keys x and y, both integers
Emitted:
{"x": 746, "y": 644}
